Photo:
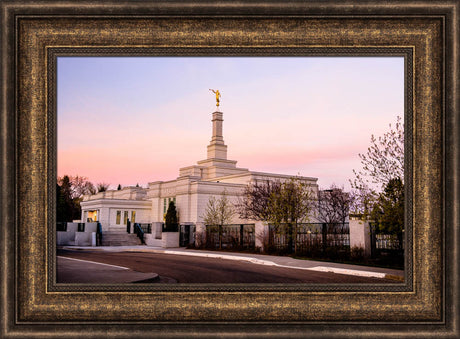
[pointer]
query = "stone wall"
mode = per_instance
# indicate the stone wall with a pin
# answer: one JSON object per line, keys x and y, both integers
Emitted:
{"x": 170, "y": 239}
{"x": 72, "y": 237}
{"x": 150, "y": 240}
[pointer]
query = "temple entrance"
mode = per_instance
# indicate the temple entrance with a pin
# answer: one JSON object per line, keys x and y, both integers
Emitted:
{"x": 91, "y": 216}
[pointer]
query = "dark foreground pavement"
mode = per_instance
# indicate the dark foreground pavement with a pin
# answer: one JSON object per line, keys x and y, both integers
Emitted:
{"x": 191, "y": 266}
{"x": 71, "y": 270}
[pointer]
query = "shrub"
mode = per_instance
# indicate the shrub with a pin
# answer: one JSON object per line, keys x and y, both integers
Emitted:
{"x": 357, "y": 253}
{"x": 171, "y": 224}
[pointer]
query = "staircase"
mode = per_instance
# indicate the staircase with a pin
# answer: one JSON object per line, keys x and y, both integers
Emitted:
{"x": 111, "y": 238}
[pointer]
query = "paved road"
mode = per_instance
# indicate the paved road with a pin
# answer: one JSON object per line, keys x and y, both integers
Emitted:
{"x": 76, "y": 271}
{"x": 184, "y": 269}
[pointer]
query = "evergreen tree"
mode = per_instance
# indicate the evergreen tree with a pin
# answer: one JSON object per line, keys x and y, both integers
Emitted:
{"x": 171, "y": 218}
{"x": 69, "y": 194}
{"x": 65, "y": 204}
{"x": 61, "y": 209}
{"x": 388, "y": 212}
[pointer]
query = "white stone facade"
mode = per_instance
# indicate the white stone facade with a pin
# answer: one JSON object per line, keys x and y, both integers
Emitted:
{"x": 72, "y": 237}
{"x": 113, "y": 208}
{"x": 191, "y": 190}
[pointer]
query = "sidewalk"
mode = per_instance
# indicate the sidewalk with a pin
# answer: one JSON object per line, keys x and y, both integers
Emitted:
{"x": 261, "y": 259}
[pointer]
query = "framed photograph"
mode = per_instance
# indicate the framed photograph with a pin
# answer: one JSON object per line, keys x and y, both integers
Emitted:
{"x": 35, "y": 38}
{"x": 278, "y": 126}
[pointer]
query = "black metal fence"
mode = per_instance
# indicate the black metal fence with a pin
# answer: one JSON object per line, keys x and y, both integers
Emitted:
{"x": 139, "y": 232}
{"x": 81, "y": 227}
{"x": 146, "y": 228}
{"x": 309, "y": 238}
{"x": 388, "y": 242}
{"x": 61, "y": 226}
{"x": 236, "y": 236}
{"x": 186, "y": 235}
{"x": 381, "y": 242}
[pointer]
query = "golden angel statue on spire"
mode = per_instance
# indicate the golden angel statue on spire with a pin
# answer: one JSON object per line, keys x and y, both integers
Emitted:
{"x": 217, "y": 96}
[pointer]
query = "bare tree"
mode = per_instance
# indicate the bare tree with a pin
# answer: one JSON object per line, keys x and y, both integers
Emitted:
{"x": 79, "y": 186}
{"x": 333, "y": 205}
{"x": 82, "y": 186}
{"x": 383, "y": 161}
{"x": 280, "y": 203}
{"x": 364, "y": 199}
{"x": 332, "y": 208}
{"x": 292, "y": 205}
{"x": 69, "y": 191}
{"x": 102, "y": 187}
{"x": 254, "y": 203}
{"x": 219, "y": 212}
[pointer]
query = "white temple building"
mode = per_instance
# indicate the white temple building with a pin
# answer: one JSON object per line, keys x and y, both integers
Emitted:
{"x": 191, "y": 191}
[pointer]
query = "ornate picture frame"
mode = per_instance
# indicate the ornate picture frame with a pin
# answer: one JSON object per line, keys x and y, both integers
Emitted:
{"x": 426, "y": 34}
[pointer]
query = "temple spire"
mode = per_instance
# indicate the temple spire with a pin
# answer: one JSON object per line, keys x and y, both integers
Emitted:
{"x": 217, "y": 149}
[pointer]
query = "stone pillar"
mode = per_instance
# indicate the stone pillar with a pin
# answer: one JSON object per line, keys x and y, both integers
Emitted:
{"x": 104, "y": 218}
{"x": 261, "y": 234}
{"x": 200, "y": 234}
{"x": 84, "y": 215}
{"x": 157, "y": 229}
{"x": 217, "y": 149}
{"x": 169, "y": 239}
{"x": 360, "y": 235}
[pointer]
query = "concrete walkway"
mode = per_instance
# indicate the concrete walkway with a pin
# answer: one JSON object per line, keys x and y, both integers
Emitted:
{"x": 269, "y": 260}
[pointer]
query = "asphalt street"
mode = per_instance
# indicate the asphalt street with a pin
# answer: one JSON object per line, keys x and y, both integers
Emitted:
{"x": 173, "y": 268}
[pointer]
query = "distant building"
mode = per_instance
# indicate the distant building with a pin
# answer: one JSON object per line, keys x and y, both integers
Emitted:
{"x": 190, "y": 191}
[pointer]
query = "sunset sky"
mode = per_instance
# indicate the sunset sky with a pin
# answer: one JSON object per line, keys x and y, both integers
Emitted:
{"x": 129, "y": 120}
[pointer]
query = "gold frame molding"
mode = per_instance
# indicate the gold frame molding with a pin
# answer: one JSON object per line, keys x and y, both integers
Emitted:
{"x": 33, "y": 36}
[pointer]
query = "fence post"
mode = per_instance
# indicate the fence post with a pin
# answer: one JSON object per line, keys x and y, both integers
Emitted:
{"x": 200, "y": 233}
{"x": 360, "y": 235}
{"x": 260, "y": 234}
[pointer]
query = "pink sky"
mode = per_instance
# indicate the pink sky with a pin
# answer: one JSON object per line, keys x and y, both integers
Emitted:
{"x": 137, "y": 120}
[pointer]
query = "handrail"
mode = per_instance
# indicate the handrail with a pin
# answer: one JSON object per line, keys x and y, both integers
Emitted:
{"x": 146, "y": 227}
{"x": 99, "y": 234}
{"x": 140, "y": 233}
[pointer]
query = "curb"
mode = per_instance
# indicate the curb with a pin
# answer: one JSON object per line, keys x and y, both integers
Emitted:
{"x": 359, "y": 273}
{"x": 329, "y": 269}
